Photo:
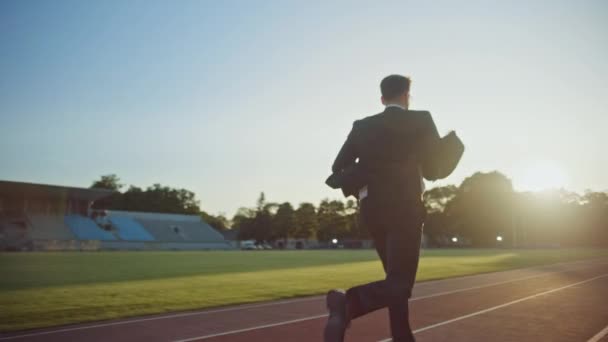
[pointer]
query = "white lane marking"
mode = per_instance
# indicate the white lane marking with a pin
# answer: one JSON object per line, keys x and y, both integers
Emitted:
{"x": 185, "y": 314}
{"x": 253, "y": 306}
{"x": 599, "y": 335}
{"x": 252, "y": 328}
{"x": 325, "y": 315}
{"x": 500, "y": 282}
{"x": 488, "y": 285}
{"x": 480, "y": 312}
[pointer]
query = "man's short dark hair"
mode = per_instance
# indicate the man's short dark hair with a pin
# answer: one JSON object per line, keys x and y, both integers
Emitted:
{"x": 394, "y": 86}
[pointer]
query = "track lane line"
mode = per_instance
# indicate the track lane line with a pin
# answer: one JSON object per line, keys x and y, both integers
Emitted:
{"x": 599, "y": 335}
{"x": 231, "y": 332}
{"x": 480, "y": 312}
{"x": 252, "y": 328}
{"x": 178, "y": 315}
{"x": 590, "y": 262}
{"x": 488, "y": 285}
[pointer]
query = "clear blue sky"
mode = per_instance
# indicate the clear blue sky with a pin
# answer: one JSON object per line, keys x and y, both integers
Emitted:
{"x": 232, "y": 98}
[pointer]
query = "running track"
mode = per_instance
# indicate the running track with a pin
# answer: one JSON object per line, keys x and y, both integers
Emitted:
{"x": 560, "y": 302}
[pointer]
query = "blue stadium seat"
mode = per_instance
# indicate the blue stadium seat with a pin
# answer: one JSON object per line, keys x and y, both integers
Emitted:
{"x": 86, "y": 229}
{"x": 129, "y": 229}
{"x": 181, "y": 231}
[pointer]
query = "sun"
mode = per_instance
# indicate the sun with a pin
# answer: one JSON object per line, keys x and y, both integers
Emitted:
{"x": 541, "y": 175}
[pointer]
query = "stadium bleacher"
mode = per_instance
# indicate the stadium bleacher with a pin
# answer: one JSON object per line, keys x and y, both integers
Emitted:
{"x": 163, "y": 230}
{"x": 200, "y": 231}
{"x": 51, "y": 217}
{"x": 86, "y": 229}
{"x": 175, "y": 231}
{"x": 48, "y": 227}
{"x": 13, "y": 234}
{"x": 171, "y": 227}
{"x": 130, "y": 230}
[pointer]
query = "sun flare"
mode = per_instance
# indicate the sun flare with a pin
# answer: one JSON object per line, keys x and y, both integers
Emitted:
{"x": 542, "y": 175}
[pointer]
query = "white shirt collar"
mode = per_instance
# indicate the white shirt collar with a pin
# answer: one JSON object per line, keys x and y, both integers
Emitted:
{"x": 395, "y": 105}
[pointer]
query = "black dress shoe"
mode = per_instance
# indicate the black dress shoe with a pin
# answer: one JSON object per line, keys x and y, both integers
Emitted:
{"x": 338, "y": 321}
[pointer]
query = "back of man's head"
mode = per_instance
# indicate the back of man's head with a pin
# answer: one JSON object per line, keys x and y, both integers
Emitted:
{"x": 394, "y": 87}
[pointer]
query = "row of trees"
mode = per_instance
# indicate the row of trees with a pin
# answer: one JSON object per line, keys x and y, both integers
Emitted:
{"x": 484, "y": 211}
{"x": 269, "y": 222}
{"x": 484, "y": 207}
{"x": 155, "y": 198}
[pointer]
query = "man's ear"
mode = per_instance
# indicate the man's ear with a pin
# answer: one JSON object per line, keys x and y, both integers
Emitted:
{"x": 382, "y": 100}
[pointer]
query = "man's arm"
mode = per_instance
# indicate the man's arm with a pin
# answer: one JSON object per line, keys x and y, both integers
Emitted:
{"x": 428, "y": 152}
{"x": 348, "y": 153}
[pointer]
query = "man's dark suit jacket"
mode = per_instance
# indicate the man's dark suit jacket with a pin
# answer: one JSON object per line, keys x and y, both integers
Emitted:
{"x": 394, "y": 150}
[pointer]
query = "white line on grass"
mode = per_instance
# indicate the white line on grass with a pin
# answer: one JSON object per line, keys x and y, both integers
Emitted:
{"x": 480, "y": 312}
{"x": 599, "y": 335}
{"x": 307, "y": 299}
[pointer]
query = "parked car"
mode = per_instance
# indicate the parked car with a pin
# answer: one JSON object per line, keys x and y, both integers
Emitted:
{"x": 248, "y": 245}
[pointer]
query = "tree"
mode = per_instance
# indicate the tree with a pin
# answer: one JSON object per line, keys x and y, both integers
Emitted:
{"x": 332, "y": 220}
{"x": 437, "y": 224}
{"x": 163, "y": 199}
{"x": 306, "y": 221}
{"x": 242, "y": 214}
{"x": 109, "y": 182}
{"x": 256, "y": 224}
{"x": 155, "y": 198}
{"x": 483, "y": 208}
{"x": 133, "y": 199}
{"x": 261, "y": 227}
{"x": 261, "y": 202}
{"x": 284, "y": 222}
{"x": 436, "y": 199}
{"x": 243, "y": 223}
{"x": 594, "y": 219}
{"x": 218, "y": 222}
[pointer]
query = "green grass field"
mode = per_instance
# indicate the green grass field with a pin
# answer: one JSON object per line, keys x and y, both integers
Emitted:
{"x": 46, "y": 289}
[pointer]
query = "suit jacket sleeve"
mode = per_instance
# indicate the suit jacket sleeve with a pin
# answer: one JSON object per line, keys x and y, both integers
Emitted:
{"x": 348, "y": 152}
{"x": 429, "y": 146}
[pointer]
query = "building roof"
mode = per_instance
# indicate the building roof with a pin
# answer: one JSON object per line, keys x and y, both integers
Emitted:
{"x": 30, "y": 190}
{"x": 230, "y": 234}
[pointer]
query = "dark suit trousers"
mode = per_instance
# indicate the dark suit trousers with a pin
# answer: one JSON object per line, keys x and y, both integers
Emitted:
{"x": 396, "y": 231}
